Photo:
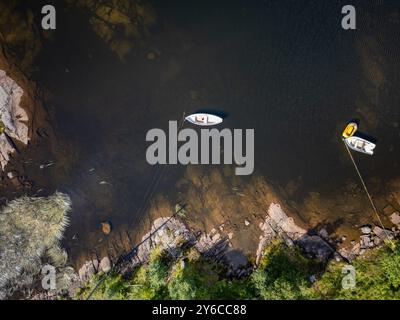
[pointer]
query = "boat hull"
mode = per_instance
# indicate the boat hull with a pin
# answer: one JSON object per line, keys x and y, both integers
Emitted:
{"x": 204, "y": 119}
{"x": 361, "y": 145}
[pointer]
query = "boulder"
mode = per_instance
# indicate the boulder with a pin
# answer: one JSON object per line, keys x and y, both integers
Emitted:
{"x": 366, "y": 229}
{"x": 365, "y": 241}
{"x": 395, "y": 218}
{"x": 106, "y": 227}
{"x": 347, "y": 254}
{"x": 324, "y": 234}
{"x": 377, "y": 241}
{"x": 12, "y": 174}
{"x": 284, "y": 223}
{"x": 355, "y": 250}
{"x": 105, "y": 264}
{"x": 88, "y": 270}
{"x": 315, "y": 246}
{"x": 382, "y": 233}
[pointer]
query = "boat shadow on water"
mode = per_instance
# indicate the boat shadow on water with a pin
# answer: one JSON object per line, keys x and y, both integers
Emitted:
{"x": 220, "y": 113}
{"x": 367, "y": 137}
{"x": 363, "y": 135}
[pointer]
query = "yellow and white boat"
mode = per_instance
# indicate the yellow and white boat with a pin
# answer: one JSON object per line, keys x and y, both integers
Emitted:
{"x": 350, "y": 130}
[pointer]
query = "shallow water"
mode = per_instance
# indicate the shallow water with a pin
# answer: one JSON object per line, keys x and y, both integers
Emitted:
{"x": 284, "y": 68}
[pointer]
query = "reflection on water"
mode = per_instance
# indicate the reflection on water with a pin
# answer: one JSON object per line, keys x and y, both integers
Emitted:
{"x": 284, "y": 68}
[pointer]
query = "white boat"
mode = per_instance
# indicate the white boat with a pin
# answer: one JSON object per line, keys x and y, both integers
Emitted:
{"x": 360, "y": 145}
{"x": 204, "y": 119}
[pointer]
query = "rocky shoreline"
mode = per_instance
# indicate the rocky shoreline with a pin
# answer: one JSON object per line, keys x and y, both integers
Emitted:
{"x": 371, "y": 237}
{"x": 172, "y": 234}
{"x": 23, "y": 123}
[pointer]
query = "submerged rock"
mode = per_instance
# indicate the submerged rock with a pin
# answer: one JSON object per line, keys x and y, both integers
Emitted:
{"x": 395, "y": 218}
{"x": 106, "y": 227}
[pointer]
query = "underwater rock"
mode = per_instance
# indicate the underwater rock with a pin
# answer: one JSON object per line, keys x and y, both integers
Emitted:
{"x": 106, "y": 227}
{"x": 105, "y": 264}
{"x": 395, "y": 218}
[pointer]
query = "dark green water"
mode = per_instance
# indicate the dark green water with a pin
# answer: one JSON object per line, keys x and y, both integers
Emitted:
{"x": 284, "y": 68}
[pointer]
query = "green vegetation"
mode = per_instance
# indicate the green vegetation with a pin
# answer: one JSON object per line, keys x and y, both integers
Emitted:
{"x": 284, "y": 273}
{"x": 377, "y": 276}
{"x": 189, "y": 277}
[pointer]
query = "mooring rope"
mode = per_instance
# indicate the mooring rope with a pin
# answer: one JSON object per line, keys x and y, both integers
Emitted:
{"x": 368, "y": 194}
